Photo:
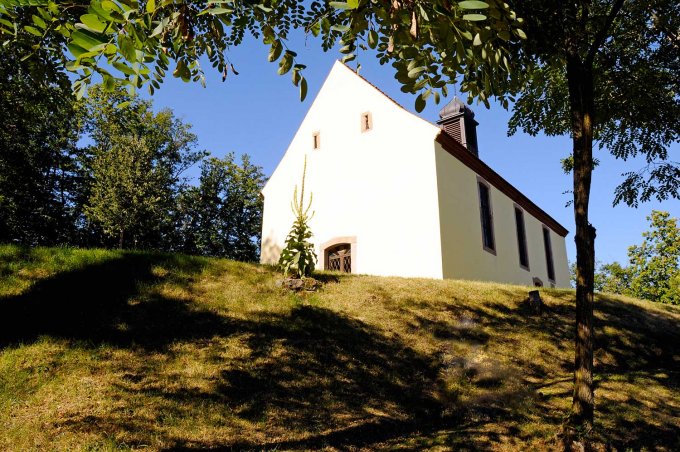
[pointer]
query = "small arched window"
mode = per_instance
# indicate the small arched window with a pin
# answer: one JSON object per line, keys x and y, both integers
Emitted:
{"x": 339, "y": 258}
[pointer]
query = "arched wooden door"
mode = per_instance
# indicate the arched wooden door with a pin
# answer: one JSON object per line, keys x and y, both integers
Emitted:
{"x": 339, "y": 258}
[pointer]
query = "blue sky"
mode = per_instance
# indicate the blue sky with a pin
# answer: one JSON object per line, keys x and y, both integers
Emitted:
{"x": 258, "y": 112}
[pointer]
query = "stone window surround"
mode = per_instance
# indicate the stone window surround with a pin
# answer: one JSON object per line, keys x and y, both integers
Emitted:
{"x": 351, "y": 240}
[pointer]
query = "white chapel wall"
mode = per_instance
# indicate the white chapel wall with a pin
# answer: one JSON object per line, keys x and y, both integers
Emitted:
{"x": 377, "y": 186}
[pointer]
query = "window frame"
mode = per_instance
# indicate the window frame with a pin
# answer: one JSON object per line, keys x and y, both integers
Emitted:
{"x": 518, "y": 209}
{"x": 549, "y": 255}
{"x": 480, "y": 182}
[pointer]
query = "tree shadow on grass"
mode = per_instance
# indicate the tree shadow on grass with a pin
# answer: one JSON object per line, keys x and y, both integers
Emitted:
{"x": 637, "y": 354}
{"x": 317, "y": 377}
{"x": 315, "y": 370}
{"x": 108, "y": 302}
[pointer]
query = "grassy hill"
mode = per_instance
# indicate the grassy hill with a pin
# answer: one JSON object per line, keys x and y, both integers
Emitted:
{"x": 103, "y": 350}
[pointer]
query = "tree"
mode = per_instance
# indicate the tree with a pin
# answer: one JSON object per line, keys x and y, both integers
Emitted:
{"x": 604, "y": 70}
{"x": 38, "y": 134}
{"x": 653, "y": 272}
{"x": 222, "y": 216}
{"x": 163, "y": 143}
{"x": 298, "y": 257}
{"x": 655, "y": 264}
{"x": 613, "y": 278}
{"x": 127, "y": 189}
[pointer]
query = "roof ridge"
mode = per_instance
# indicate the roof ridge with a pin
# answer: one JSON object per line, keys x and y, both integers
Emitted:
{"x": 355, "y": 72}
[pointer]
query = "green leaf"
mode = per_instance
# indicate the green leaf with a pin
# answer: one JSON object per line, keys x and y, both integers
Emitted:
{"x": 97, "y": 8}
{"x": 182, "y": 71}
{"x": 75, "y": 49}
{"x": 521, "y": 33}
{"x": 474, "y": 17}
{"x": 33, "y": 31}
{"x": 79, "y": 88}
{"x": 477, "y": 41}
{"x": 109, "y": 83}
{"x": 340, "y": 5}
{"x": 348, "y": 58}
{"x": 7, "y": 23}
{"x": 127, "y": 48}
{"x": 413, "y": 73}
{"x": 303, "y": 89}
{"x": 315, "y": 28}
{"x": 275, "y": 51}
{"x": 423, "y": 13}
{"x": 340, "y": 28}
{"x": 72, "y": 66}
{"x": 39, "y": 21}
{"x": 124, "y": 68}
{"x": 111, "y": 6}
{"x": 473, "y": 4}
{"x": 372, "y": 39}
{"x": 467, "y": 35}
{"x": 92, "y": 23}
{"x": 216, "y": 11}
{"x": 420, "y": 103}
{"x": 150, "y": 6}
{"x": 286, "y": 63}
{"x": 86, "y": 40}
{"x": 160, "y": 27}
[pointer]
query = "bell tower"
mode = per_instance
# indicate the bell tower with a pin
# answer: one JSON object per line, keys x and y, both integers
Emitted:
{"x": 457, "y": 120}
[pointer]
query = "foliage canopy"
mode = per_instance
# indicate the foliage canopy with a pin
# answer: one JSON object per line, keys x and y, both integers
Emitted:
{"x": 38, "y": 135}
{"x": 430, "y": 44}
{"x": 222, "y": 215}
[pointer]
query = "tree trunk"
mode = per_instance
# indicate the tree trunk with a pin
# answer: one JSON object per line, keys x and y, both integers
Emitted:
{"x": 580, "y": 81}
{"x": 120, "y": 238}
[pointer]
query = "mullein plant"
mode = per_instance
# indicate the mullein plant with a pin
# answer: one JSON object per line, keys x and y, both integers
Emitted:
{"x": 298, "y": 258}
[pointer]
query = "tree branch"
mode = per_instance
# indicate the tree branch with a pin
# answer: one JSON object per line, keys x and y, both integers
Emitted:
{"x": 602, "y": 34}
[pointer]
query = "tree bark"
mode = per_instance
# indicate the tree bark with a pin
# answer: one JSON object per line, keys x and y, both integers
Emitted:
{"x": 580, "y": 81}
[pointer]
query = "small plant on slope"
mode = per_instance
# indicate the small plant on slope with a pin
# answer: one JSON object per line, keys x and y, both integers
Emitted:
{"x": 298, "y": 257}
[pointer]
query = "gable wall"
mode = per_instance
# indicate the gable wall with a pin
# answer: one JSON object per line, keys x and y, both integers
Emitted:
{"x": 378, "y": 187}
{"x": 463, "y": 256}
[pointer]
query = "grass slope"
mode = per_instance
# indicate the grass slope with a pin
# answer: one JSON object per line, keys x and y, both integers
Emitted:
{"x": 103, "y": 350}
